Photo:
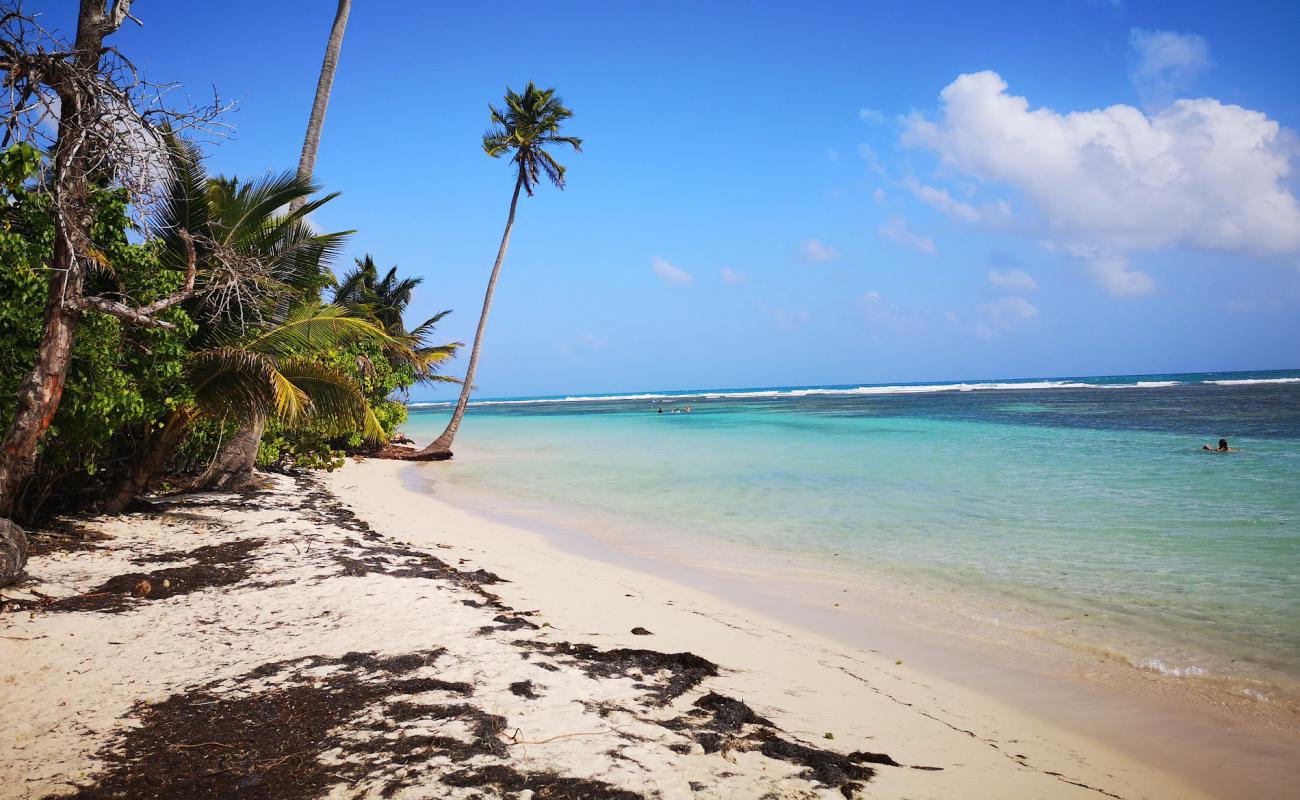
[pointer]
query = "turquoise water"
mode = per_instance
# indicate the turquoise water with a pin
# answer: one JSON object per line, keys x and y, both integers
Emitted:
{"x": 1061, "y": 497}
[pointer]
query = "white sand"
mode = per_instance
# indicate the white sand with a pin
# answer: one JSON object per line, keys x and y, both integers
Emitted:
{"x": 69, "y": 680}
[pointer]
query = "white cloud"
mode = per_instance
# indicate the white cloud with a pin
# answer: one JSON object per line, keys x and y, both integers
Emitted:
{"x": 896, "y": 230}
{"x": 1164, "y": 64}
{"x": 1111, "y": 270}
{"x": 872, "y": 116}
{"x": 989, "y": 213}
{"x": 868, "y": 154}
{"x": 1199, "y": 173}
{"x": 832, "y": 154}
{"x": 818, "y": 253}
{"x": 733, "y": 277}
{"x": 669, "y": 273}
{"x": 879, "y": 195}
{"x": 1013, "y": 280}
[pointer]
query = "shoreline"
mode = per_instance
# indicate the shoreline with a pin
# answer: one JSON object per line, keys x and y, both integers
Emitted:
{"x": 1170, "y": 723}
{"x": 348, "y": 635}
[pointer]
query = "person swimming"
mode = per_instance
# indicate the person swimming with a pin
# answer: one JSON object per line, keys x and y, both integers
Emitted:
{"x": 1222, "y": 448}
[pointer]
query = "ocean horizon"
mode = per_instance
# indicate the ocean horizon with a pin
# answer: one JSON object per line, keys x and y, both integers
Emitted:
{"x": 1125, "y": 381}
{"x": 1082, "y": 510}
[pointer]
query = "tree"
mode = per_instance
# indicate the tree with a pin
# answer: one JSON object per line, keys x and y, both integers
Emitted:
{"x": 274, "y": 372}
{"x": 385, "y": 301}
{"x": 523, "y": 128}
{"x": 259, "y": 263}
{"x": 106, "y": 131}
{"x": 324, "y": 85}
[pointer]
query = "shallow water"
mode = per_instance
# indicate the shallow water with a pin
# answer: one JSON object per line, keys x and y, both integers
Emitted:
{"x": 1079, "y": 501}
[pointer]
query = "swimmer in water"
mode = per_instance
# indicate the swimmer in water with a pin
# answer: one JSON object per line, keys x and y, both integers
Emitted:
{"x": 1222, "y": 448}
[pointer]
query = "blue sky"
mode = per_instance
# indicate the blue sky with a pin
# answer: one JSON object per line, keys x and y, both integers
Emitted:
{"x": 811, "y": 193}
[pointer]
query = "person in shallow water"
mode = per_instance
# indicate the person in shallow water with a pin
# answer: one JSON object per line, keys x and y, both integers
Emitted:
{"x": 1222, "y": 448}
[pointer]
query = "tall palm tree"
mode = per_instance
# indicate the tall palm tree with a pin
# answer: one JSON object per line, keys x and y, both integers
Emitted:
{"x": 271, "y": 373}
{"x": 523, "y": 128}
{"x": 385, "y": 300}
{"x": 324, "y": 85}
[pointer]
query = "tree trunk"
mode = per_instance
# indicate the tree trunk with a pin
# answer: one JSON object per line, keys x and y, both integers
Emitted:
{"x": 150, "y": 462}
{"x": 13, "y": 552}
{"x": 237, "y": 459}
{"x": 311, "y": 142}
{"x": 440, "y": 448}
{"x": 40, "y": 392}
{"x": 233, "y": 468}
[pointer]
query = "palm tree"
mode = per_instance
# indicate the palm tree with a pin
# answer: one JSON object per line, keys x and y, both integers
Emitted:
{"x": 385, "y": 300}
{"x": 273, "y": 372}
{"x": 257, "y": 264}
{"x": 523, "y": 128}
{"x": 311, "y": 142}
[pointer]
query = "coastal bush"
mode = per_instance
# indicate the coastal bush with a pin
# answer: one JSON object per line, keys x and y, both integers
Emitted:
{"x": 121, "y": 379}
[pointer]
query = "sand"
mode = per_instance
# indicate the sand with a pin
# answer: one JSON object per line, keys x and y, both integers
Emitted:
{"x": 345, "y": 636}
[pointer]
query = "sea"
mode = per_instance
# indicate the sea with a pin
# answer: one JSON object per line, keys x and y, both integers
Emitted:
{"x": 1080, "y": 499}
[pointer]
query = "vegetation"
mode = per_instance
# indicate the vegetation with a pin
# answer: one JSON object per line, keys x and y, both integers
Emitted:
{"x": 161, "y": 324}
{"x": 523, "y": 128}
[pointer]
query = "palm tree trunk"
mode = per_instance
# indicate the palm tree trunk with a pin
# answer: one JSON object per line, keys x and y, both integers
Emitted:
{"x": 232, "y": 469}
{"x": 440, "y": 448}
{"x": 150, "y": 462}
{"x": 311, "y": 142}
{"x": 234, "y": 464}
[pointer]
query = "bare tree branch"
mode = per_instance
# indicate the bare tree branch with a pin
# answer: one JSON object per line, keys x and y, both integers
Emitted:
{"x": 143, "y": 316}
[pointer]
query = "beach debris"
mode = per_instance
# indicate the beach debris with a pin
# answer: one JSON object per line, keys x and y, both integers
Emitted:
{"x": 639, "y": 631}
{"x": 828, "y": 735}
{"x": 525, "y": 689}
{"x": 665, "y": 676}
{"x": 214, "y": 566}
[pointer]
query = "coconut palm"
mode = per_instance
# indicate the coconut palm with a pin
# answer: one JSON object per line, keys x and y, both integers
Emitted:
{"x": 273, "y": 372}
{"x": 256, "y": 263}
{"x": 385, "y": 301}
{"x": 523, "y": 129}
{"x": 324, "y": 85}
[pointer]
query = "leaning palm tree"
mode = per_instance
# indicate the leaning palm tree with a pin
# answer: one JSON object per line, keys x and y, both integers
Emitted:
{"x": 324, "y": 85}
{"x": 523, "y": 128}
{"x": 274, "y": 372}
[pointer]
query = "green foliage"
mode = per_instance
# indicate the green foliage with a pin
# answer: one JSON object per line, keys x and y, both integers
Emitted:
{"x": 122, "y": 381}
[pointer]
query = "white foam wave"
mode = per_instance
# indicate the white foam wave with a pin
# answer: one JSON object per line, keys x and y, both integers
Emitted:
{"x": 816, "y": 392}
{"x": 930, "y": 388}
{"x": 1250, "y": 381}
{"x": 1156, "y": 665}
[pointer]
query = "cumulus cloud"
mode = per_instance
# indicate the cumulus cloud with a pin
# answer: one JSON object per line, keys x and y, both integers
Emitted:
{"x": 1110, "y": 269}
{"x": 733, "y": 277}
{"x": 818, "y": 253}
{"x": 1199, "y": 173}
{"x": 990, "y": 213}
{"x": 1164, "y": 64}
{"x": 1013, "y": 280}
{"x": 670, "y": 274}
{"x": 896, "y": 230}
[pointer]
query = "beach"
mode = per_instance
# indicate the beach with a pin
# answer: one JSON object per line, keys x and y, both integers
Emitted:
{"x": 349, "y": 634}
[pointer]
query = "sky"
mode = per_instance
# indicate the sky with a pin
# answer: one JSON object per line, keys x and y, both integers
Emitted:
{"x": 777, "y": 194}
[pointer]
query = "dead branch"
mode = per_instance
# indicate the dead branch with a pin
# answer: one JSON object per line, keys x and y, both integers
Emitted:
{"x": 143, "y": 316}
